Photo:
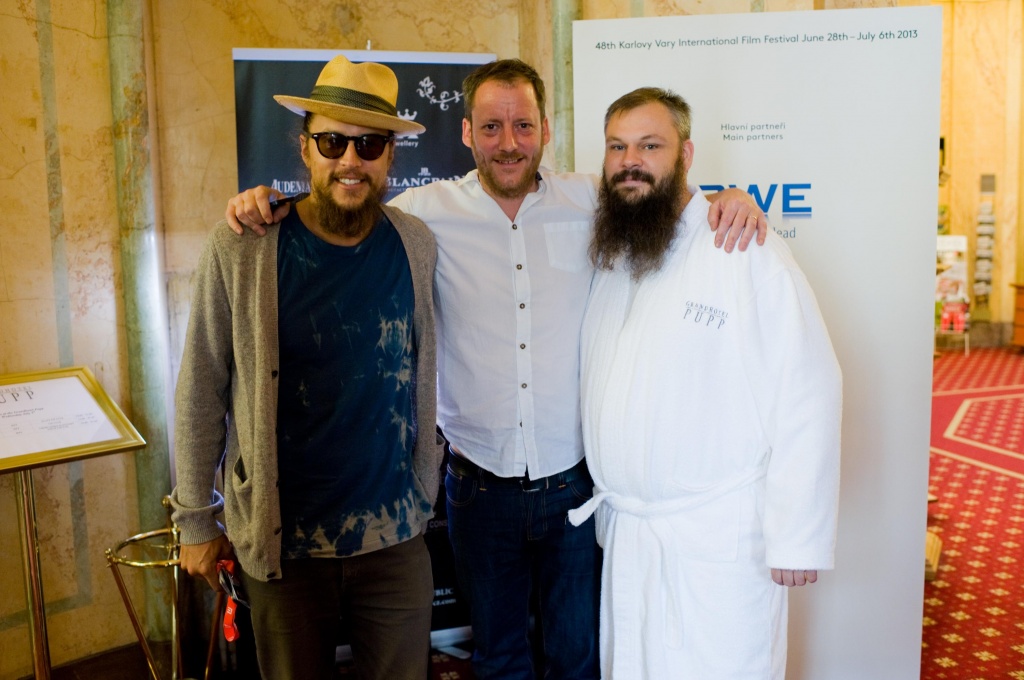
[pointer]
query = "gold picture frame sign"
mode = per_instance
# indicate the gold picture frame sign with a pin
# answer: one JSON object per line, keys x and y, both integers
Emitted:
{"x": 47, "y": 418}
{"x": 59, "y": 415}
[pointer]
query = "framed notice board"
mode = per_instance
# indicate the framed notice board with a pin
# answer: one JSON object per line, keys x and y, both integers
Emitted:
{"x": 59, "y": 415}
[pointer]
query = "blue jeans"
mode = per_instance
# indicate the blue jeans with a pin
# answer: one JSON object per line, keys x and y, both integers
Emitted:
{"x": 509, "y": 542}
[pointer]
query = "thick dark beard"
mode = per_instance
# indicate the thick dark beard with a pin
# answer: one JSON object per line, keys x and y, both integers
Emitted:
{"x": 346, "y": 222}
{"x": 638, "y": 230}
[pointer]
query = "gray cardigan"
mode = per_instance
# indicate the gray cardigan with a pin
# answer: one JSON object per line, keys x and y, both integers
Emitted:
{"x": 227, "y": 392}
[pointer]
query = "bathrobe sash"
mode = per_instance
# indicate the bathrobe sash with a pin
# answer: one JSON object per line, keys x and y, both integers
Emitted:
{"x": 620, "y": 525}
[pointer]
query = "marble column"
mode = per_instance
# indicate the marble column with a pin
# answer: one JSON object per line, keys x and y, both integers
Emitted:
{"x": 564, "y": 13}
{"x": 144, "y": 298}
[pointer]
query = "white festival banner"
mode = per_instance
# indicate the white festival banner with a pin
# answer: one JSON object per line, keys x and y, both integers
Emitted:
{"x": 830, "y": 119}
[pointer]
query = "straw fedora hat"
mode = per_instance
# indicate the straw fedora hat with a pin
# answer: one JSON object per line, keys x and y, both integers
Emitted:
{"x": 358, "y": 94}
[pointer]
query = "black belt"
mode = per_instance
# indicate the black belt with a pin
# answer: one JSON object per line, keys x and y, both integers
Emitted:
{"x": 463, "y": 467}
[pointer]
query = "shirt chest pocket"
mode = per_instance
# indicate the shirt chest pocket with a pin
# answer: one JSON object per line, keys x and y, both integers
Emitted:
{"x": 567, "y": 244}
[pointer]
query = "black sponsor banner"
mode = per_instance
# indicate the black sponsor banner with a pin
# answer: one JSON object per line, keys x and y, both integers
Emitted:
{"x": 430, "y": 93}
{"x": 450, "y": 607}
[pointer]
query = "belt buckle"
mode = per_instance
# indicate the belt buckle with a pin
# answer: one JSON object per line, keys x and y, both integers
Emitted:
{"x": 523, "y": 482}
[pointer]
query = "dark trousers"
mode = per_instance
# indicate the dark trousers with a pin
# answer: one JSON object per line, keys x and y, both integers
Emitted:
{"x": 510, "y": 541}
{"x": 385, "y": 597}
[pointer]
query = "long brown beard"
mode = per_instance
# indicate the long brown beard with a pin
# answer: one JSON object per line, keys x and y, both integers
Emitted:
{"x": 637, "y": 230}
{"x": 343, "y": 221}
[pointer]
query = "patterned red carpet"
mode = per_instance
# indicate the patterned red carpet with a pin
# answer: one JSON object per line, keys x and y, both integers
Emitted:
{"x": 974, "y": 610}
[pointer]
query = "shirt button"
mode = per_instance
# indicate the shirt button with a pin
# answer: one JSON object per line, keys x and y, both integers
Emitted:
{"x": 515, "y": 226}
{"x": 519, "y": 266}
{"x": 524, "y": 386}
{"x": 522, "y": 345}
{"x": 522, "y": 305}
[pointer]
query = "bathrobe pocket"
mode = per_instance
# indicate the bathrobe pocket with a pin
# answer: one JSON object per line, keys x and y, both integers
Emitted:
{"x": 708, "y": 531}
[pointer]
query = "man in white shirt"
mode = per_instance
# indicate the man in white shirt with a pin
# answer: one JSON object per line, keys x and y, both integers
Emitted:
{"x": 511, "y": 285}
{"x": 704, "y": 512}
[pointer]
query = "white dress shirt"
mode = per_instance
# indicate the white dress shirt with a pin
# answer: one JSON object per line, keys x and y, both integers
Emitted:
{"x": 509, "y": 297}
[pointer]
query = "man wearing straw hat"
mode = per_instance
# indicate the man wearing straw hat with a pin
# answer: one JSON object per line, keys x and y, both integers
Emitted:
{"x": 511, "y": 287}
{"x": 310, "y": 373}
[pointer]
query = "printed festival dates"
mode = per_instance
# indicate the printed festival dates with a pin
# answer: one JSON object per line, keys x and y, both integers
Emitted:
{"x": 755, "y": 40}
{"x": 904, "y": 34}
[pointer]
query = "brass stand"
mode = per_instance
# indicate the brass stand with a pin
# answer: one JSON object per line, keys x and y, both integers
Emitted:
{"x": 33, "y": 577}
{"x": 169, "y": 551}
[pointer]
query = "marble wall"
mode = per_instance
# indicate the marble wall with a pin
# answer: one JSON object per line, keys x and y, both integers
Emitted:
{"x": 60, "y": 305}
{"x": 60, "y": 279}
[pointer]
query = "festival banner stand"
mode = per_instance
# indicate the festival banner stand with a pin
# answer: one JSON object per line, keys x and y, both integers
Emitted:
{"x": 48, "y": 418}
{"x": 430, "y": 93}
{"x": 829, "y": 120}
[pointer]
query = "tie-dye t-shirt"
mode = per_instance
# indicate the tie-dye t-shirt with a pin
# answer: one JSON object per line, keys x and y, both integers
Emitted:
{"x": 345, "y": 417}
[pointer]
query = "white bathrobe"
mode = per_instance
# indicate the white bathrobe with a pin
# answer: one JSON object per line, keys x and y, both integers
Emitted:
{"x": 711, "y": 402}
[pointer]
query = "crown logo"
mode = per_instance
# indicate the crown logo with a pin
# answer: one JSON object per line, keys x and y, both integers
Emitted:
{"x": 409, "y": 115}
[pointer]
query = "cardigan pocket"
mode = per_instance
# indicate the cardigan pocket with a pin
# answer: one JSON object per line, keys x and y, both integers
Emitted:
{"x": 240, "y": 497}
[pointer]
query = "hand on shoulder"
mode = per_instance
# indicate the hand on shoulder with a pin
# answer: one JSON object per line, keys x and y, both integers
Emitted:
{"x": 741, "y": 217}
{"x": 251, "y": 210}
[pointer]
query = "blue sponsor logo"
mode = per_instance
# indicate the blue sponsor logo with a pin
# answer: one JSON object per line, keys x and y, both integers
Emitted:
{"x": 794, "y": 197}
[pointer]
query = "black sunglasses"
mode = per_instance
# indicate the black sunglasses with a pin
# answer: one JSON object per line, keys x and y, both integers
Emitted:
{"x": 368, "y": 147}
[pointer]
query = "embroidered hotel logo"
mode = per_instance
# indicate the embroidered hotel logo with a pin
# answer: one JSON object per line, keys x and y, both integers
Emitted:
{"x": 705, "y": 315}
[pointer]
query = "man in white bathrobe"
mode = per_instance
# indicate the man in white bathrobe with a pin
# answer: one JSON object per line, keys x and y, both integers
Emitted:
{"x": 711, "y": 406}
